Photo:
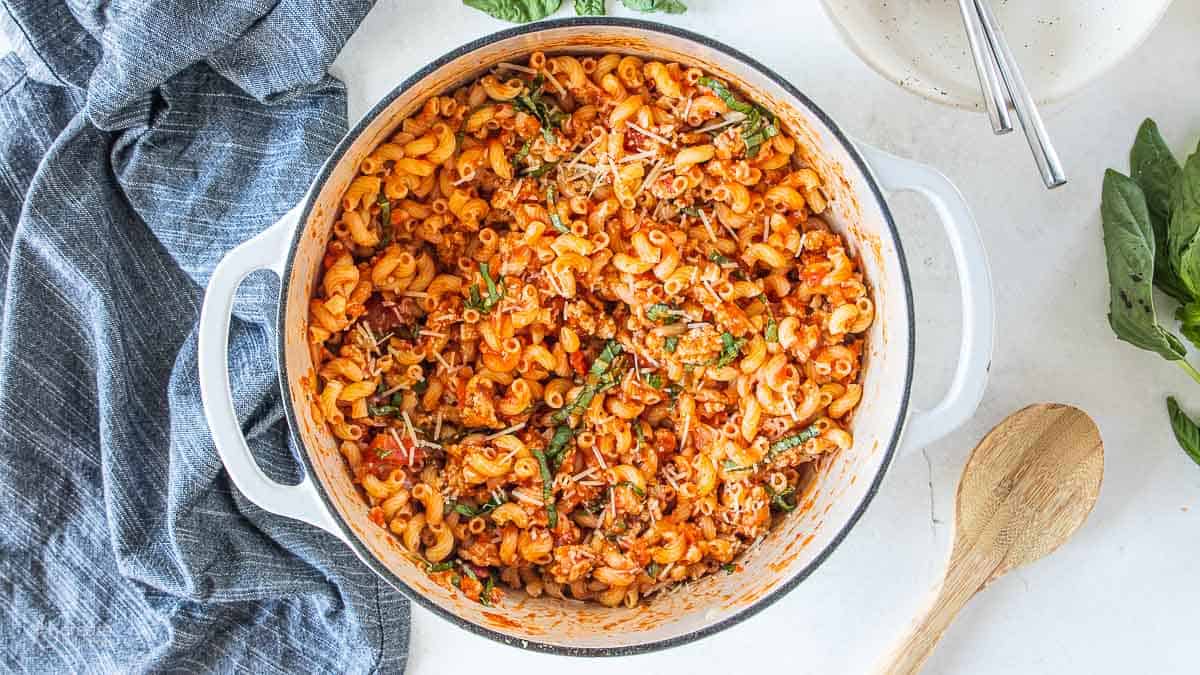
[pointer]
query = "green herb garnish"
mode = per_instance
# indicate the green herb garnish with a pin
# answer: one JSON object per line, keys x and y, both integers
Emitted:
{"x": 534, "y": 103}
{"x": 385, "y": 219}
{"x": 653, "y": 569}
{"x": 662, "y": 313}
{"x": 772, "y": 330}
{"x": 779, "y": 499}
{"x": 690, "y": 211}
{"x": 729, "y": 568}
{"x": 671, "y": 344}
{"x": 485, "y": 304}
{"x": 653, "y": 379}
{"x": 547, "y": 488}
{"x": 716, "y": 257}
{"x": 730, "y": 348}
{"x": 444, "y": 566}
{"x": 421, "y": 386}
{"x": 540, "y": 170}
{"x": 485, "y": 596}
{"x": 636, "y": 490}
{"x": 382, "y": 410}
{"x": 732, "y": 466}
{"x": 522, "y": 153}
{"x": 555, "y": 219}
{"x": 795, "y": 440}
{"x": 759, "y": 125}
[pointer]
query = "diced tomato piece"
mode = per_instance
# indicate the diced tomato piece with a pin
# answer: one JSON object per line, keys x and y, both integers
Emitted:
{"x": 578, "y": 362}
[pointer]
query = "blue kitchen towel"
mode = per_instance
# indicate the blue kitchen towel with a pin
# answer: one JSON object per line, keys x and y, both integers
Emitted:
{"x": 140, "y": 140}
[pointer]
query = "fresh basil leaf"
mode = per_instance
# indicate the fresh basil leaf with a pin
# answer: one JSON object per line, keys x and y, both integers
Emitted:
{"x": 667, "y": 6}
{"x": 516, "y": 11}
{"x": 730, "y": 348}
{"x": 795, "y": 440}
{"x": 729, "y": 568}
{"x": 1189, "y": 321}
{"x": 522, "y": 153}
{"x": 653, "y": 379}
{"x": 1186, "y": 431}
{"x": 671, "y": 344}
{"x": 662, "y": 313}
{"x": 589, "y": 7}
{"x": 1155, "y": 169}
{"x": 1182, "y": 241}
{"x": 1129, "y": 243}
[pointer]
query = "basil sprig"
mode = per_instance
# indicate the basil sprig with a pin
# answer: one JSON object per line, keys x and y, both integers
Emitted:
{"x": 1151, "y": 224}
{"x": 485, "y": 304}
{"x": 760, "y": 124}
{"x": 524, "y": 11}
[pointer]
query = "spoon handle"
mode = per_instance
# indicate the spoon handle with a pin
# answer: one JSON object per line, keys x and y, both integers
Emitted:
{"x": 965, "y": 576}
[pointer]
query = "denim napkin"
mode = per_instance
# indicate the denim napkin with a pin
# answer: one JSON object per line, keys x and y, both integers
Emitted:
{"x": 140, "y": 140}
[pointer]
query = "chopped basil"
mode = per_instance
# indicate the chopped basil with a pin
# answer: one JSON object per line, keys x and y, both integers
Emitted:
{"x": 636, "y": 490}
{"x": 494, "y": 295}
{"x": 772, "y": 330}
{"x": 547, "y": 113}
{"x": 464, "y": 510}
{"x": 547, "y": 489}
{"x": 788, "y": 442}
{"x": 730, "y": 348}
{"x": 653, "y": 379}
{"x": 444, "y": 566}
{"x": 690, "y": 211}
{"x": 729, "y": 568}
{"x": 662, "y": 313}
{"x": 382, "y": 410}
{"x": 670, "y": 344}
{"x": 653, "y": 569}
{"x": 716, "y": 257}
{"x": 555, "y": 219}
{"x": 540, "y": 170}
{"x": 485, "y": 597}
{"x": 779, "y": 499}
{"x": 759, "y": 125}
{"x": 730, "y": 465}
{"x": 385, "y": 220}
{"x": 522, "y": 153}
{"x": 558, "y": 443}
{"x": 421, "y": 387}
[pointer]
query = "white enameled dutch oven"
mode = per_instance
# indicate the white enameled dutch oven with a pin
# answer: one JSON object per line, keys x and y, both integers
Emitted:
{"x": 856, "y": 178}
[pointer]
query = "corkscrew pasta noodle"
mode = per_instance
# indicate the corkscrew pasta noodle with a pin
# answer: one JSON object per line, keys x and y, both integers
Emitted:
{"x": 581, "y": 329}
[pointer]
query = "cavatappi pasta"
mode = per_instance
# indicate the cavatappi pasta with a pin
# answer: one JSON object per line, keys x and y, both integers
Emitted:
{"x": 581, "y": 329}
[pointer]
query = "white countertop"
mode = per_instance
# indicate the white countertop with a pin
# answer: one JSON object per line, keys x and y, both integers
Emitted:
{"x": 1123, "y": 596}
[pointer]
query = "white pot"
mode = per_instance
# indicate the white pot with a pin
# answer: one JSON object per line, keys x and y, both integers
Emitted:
{"x": 856, "y": 177}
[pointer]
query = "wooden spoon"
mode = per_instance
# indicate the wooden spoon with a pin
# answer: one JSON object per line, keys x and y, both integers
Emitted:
{"x": 1029, "y": 484}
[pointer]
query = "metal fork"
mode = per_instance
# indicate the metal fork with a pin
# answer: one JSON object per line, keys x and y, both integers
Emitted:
{"x": 1000, "y": 55}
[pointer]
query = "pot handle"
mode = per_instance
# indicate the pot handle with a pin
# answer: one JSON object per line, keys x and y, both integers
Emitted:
{"x": 265, "y": 251}
{"x": 896, "y": 174}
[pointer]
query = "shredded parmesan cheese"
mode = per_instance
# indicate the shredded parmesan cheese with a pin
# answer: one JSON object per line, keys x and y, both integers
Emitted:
{"x": 551, "y": 80}
{"x": 505, "y": 432}
{"x": 648, "y": 133}
{"x": 638, "y": 157}
{"x": 415, "y": 294}
{"x": 731, "y": 118}
{"x": 442, "y": 361}
{"x": 391, "y": 391}
{"x": 432, "y": 333}
{"x": 437, "y": 426}
{"x": 599, "y": 458}
{"x": 522, "y": 496}
{"x": 513, "y": 66}
{"x": 582, "y": 152}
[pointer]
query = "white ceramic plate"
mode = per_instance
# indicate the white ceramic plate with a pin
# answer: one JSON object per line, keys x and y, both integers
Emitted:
{"x": 1061, "y": 44}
